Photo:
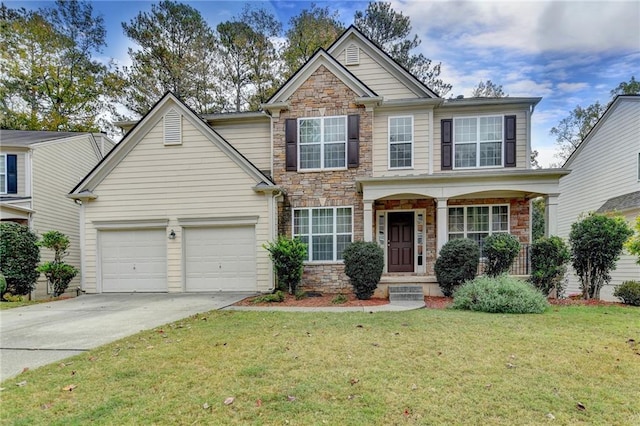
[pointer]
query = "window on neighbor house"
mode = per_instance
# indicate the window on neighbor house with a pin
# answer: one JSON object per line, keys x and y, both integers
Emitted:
{"x": 400, "y": 142}
{"x": 477, "y": 141}
{"x": 477, "y": 222}
{"x": 322, "y": 143}
{"x": 325, "y": 230}
{"x": 3, "y": 174}
{"x": 639, "y": 166}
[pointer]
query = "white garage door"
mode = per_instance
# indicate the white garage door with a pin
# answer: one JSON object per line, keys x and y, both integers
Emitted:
{"x": 220, "y": 259}
{"x": 133, "y": 260}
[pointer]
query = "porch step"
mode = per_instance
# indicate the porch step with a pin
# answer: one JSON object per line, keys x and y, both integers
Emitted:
{"x": 405, "y": 292}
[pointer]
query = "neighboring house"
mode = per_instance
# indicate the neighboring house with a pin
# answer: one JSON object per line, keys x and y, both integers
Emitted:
{"x": 37, "y": 170}
{"x": 351, "y": 147}
{"x": 605, "y": 177}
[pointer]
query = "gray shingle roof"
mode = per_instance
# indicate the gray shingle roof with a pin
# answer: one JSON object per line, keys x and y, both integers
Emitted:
{"x": 621, "y": 203}
{"x": 25, "y": 138}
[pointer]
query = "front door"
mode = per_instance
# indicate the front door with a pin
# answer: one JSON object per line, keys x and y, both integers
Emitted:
{"x": 400, "y": 243}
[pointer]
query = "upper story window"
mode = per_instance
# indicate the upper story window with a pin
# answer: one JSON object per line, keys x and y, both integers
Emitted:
{"x": 3, "y": 174}
{"x": 477, "y": 141}
{"x": 477, "y": 222}
{"x": 326, "y": 231}
{"x": 323, "y": 143}
{"x": 400, "y": 142}
{"x": 8, "y": 174}
{"x": 639, "y": 166}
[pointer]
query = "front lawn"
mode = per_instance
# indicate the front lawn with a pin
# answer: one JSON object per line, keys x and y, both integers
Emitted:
{"x": 571, "y": 365}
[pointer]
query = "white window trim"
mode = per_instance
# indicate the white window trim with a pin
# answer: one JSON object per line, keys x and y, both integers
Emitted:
{"x": 310, "y": 234}
{"x": 638, "y": 168}
{"x": 490, "y": 232}
{"x": 389, "y": 143}
{"x": 453, "y": 142}
{"x": 322, "y": 143}
{"x": 3, "y": 159}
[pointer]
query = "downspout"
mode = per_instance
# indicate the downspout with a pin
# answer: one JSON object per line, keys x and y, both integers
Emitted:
{"x": 82, "y": 245}
{"x": 273, "y": 230}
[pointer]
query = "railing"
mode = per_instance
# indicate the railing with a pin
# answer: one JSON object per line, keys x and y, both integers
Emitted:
{"x": 521, "y": 265}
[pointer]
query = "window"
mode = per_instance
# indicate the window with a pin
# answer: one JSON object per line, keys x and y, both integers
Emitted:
{"x": 323, "y": 143}
{"x": 325, "y": 230}
{"x": 400, "y": 142}
{"x": 639, "y": 166}
{"x": 3, "y": 174}
{"x": 477, "y": 141}
{"x": 476, "y": 222}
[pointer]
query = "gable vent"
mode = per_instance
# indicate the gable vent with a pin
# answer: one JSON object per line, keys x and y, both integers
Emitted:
{"x": 172, "y": 128}
{"x": 352, "y": 55}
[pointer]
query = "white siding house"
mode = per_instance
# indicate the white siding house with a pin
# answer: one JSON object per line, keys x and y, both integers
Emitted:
{"x": 605, "y": 177}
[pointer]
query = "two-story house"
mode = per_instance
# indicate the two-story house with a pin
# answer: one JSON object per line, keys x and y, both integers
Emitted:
{"x": 605, "y": 178}
{"x": 37, "y": 170}
{"x": 351, "y": 147}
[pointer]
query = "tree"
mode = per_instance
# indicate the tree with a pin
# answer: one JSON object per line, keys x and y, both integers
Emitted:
{"x": 596, "y": 243}
{"x": 390, "y": 30}
{"x": 633, "y": 245}
{"x": 309, "y": 31}
{"x": 488, "y": 90}
{"x": 19, "y": 257}
{"x": 533, "y": 159}
{"x": 58, "y": 273}
{"x": 572, "y": 129}
{"x": 50, "y": 80}
{"x": 235, "y": 50}
{"x": 177, "y": 54}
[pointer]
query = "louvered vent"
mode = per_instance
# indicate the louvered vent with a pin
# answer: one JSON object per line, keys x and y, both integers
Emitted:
{"x": 172, "y": 128}
{"x": 352, "y": 55}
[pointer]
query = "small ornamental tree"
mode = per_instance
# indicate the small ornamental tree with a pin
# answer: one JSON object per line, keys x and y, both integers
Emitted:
{"x": 288, "y": 256}
{"x": 500, "y": 250}
{"x": 549, "y": 257}
{"x": 596, "y": 244}
{"x": 633, "y": 244}
{"x": 59, "y": 274}
{"x": 19, "y": 257}
{"x": 363, "y": 264}
{"x": 457, "y": 262}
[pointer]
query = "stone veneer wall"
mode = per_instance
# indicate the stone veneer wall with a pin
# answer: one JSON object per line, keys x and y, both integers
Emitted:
{"x": 322, "y": 94}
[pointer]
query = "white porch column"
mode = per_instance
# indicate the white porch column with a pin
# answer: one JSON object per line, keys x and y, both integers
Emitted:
{"x": 441, "y": 224}
{"x": 367, "y": 220}
{"x": 551, "y": 215}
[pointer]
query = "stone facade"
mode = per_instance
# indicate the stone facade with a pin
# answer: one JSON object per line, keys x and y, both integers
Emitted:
{"x": 322, "y": 94}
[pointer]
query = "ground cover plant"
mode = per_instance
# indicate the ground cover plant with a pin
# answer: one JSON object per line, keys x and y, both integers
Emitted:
{"x": 570, "y": 365}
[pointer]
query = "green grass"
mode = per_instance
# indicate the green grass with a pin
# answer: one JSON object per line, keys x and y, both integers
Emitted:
{"x": 10, "y": 305}
{"x": 417, "y": 367}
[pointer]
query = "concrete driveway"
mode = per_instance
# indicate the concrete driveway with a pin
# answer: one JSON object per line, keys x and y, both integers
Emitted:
{"x": 36, "y": 335}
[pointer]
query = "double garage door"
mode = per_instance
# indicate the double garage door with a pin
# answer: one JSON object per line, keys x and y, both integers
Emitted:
{"x": 214, "y": 259}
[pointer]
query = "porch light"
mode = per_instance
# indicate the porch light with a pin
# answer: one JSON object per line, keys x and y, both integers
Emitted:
{"x": 172, "y": 235}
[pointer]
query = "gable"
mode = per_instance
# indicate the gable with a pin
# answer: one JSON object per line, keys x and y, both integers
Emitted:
{"x": 152, "y": 130}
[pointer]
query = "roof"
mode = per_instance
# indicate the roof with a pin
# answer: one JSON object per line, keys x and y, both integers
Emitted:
{"x": 25, "y": 138}
{"x": 507, "y": 100}
{"x": 607, "y": 113}
{"x": 621, "y": 203}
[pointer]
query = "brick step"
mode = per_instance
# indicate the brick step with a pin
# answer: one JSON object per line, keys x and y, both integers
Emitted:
{"x": 403, "y": 293}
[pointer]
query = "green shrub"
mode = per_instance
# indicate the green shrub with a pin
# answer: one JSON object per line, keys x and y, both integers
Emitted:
{"x": 19, "y": 257}
{"x": 301, "y": 295}
{"x": 633, "y": 244}
{"x": 58, "y": 273}
{"x": 501, "y": 294}
{"x": 3, "y": 284}
{"x": 278, "y": 296}
{"x": 549, "y": 257}
{"x": 339, "y": 299}
{"x": 500, "y": 250}
{"x": 288, "y": 256}
{"x": 363, "y": 264}
{"x": 629, "y": 292}
{"x": 457, "y": 262}
{"x": 596, "y": 243}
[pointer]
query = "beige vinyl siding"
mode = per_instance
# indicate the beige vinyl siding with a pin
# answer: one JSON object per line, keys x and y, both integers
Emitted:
{"x": 605, "y": 168}
{"x": 57, "y": 168}
{"x": 376, "y": 77}
{"x": 381, "y": 143}
{"x": 522, "y": 162}
{"x": 251, "y": 138}
{"x": 192, "y": 180}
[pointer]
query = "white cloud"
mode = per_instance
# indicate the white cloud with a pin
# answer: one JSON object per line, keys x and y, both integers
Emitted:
{"x": 571, "y": 87}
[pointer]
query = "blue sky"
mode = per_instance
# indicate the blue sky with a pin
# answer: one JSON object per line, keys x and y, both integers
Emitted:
{"x": 567, "y": 52}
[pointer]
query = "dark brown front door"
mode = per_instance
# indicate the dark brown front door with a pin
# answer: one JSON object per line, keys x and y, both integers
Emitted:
{"x": 400, "y": 243}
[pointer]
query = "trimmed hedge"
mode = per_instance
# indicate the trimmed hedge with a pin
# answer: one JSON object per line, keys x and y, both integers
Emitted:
{"x": 500, "y": 250}
{"x": 19, "y": 257}
{"x": 363, "y": 264}
{"x": 457, "y": 263}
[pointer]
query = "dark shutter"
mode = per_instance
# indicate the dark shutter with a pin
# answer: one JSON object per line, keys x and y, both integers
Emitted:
{"x": 353, "y": 141}
{"x": 291, "y": 140}
{"x": 12, "y": 174}
{"x": 447, "y": 144}
{"x": 510, "y": 141}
